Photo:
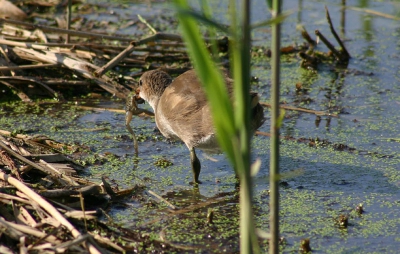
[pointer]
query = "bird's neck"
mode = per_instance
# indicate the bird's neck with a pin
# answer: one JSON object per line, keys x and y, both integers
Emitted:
{"x": 153, "y": 102}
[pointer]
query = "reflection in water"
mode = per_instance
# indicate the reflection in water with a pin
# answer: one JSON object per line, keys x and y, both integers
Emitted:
{"x": 343, "y": 19}
{"x": 300, "y": 11}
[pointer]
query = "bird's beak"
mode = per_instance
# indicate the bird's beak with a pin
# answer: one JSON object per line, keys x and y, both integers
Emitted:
{"x": 139, "y": 99}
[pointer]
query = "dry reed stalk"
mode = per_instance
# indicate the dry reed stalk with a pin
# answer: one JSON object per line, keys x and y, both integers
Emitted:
{"x": 46, "y": 206}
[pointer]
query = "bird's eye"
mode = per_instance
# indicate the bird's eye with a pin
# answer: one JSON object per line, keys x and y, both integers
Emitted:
{"x": 140, "y": 82}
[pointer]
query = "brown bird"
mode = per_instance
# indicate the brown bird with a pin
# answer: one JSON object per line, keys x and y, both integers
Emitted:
{"x": 183, "y": 113}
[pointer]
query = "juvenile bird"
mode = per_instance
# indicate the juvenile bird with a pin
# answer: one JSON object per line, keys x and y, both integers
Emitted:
{"x": 182, "y": 112}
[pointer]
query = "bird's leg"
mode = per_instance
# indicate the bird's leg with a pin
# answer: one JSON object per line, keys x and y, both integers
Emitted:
{"x": 196, "y": 166}
{"x": 131, "y": 107}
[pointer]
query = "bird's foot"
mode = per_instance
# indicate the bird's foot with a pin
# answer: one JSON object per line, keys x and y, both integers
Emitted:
{"x": 195, "y": 183}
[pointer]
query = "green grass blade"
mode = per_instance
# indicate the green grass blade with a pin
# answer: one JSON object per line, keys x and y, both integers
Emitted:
{"x": 212, "y": 81}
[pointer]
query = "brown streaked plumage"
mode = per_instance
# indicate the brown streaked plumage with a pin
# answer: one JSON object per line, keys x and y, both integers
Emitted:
{"x": 182, "y": 111}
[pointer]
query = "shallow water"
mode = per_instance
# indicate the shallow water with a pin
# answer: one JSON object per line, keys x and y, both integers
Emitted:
{"x": 328, "y": 183}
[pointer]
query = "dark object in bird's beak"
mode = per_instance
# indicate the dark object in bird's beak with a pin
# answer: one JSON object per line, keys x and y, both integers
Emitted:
{"x": 138, "y": 99}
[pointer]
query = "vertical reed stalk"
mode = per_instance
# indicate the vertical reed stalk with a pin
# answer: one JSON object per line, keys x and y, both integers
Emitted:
{"x": 241, "y": 74}
{"x": 274, "y": 158}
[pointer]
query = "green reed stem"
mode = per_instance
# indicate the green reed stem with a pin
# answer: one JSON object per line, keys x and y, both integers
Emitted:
{"x": 274, "y": 157}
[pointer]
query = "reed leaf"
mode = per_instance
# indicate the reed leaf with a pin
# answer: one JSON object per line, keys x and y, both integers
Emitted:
{"x": 212, "y": 80}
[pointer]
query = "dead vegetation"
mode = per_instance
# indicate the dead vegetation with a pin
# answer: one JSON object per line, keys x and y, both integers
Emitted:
{"x": 49, "y": 208}
{"x": 76, "y": 62}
